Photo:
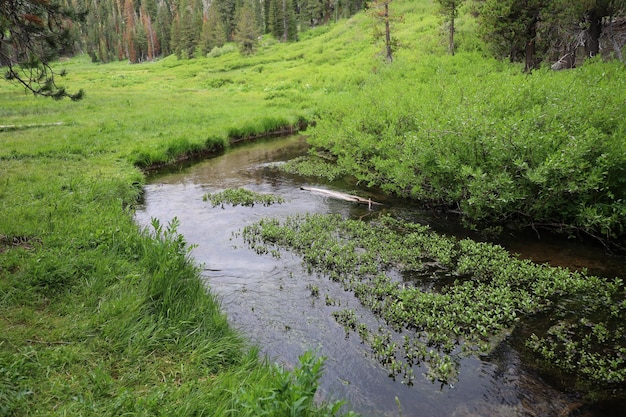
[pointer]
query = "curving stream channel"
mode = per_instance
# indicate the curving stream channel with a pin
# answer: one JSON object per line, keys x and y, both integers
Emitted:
{"x": 271, "y": 301}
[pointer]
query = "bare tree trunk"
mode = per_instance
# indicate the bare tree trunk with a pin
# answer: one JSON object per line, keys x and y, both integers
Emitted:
{"x": 592, "y": 46}
{"x": 530, "y": 51}
{"x": 452, "y": 35}
{"x": 611, "y": 37}
{"x": 388, "y": 34}
{"x": 531, "y": 61}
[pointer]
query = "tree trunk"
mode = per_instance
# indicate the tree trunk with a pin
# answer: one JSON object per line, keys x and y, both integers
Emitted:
{"x": 452, "y": 35}
{"x": 531, "y": 61}
{"x": 592, "y": 46}
{"x": 530, "y": 50}
{"x": 388, "y": 34}
{"x": 285, "y": 28}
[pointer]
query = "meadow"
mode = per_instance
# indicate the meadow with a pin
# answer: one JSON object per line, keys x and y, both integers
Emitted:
{"x": 99, "y": 317}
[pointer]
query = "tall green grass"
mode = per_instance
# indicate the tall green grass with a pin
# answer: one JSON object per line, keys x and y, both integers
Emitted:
{"x": 98, "y": 317}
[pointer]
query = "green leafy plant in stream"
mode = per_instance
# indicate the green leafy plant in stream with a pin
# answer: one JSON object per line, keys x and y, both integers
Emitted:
{"x": 481, "y": 293}
{"x": 241, "y": 197}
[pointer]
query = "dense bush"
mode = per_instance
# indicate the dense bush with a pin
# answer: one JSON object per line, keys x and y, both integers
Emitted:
{"x": 541, "y": 150}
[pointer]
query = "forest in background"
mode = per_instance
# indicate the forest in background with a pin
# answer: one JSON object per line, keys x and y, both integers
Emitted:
{"x": 529, "y": 31}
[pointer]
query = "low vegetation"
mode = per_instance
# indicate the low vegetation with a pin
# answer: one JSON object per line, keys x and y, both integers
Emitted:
{"x": 502, "y": 149}
{"x": 443, "y": 299}
{"x": 99, "y": 317}
{"x": 241, "y": 197}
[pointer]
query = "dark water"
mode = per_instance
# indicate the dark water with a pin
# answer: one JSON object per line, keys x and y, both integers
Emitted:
{"x": 270, "y": 300}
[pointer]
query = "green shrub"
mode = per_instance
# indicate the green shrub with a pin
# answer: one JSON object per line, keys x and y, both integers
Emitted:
{"x": 545, "y": 149}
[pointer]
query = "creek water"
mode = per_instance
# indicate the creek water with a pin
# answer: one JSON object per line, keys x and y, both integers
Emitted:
{"x": 270, "y": 299}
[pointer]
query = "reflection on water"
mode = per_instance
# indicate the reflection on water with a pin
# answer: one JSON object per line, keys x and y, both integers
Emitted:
{"x": 270, "y": 300}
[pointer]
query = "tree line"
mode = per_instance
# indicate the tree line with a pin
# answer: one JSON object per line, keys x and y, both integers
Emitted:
{"x": 34, "y": 32}
{"x": 140, "y": 30}
{"x": 528, "y": 31}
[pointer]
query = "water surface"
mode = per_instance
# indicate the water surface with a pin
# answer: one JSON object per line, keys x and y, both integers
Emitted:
{"x": 270, "y": 299}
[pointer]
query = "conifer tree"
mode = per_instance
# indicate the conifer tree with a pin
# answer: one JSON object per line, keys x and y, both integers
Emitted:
{"x": 282, "y": 20}
{"x": 450, "y": 11}
{"x": 380, "y": 11}
{"x": 163, "y": 27}
{"x": 510, "y": 27}
{"x": 31, "y": 35}
{"x": 247, "y": 30}
{"x": 227, "y": 9}
{"x": 130, "y": 31}
{"x": 186, "y": 28}
{"x": 213, "y": 30}
{"x": 152, "y": 48}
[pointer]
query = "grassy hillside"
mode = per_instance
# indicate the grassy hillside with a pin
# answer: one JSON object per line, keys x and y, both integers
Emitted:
{"x": 98, "y": 317}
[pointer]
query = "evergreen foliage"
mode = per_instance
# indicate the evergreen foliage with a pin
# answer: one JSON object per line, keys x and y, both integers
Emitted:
{"x": 248, "y": 28}
{"x": 528, "y": 30}
{"x": 384, "y": 16}
{"x": 450, "y": 10}
{"x": 282, "y": 20}
{"x": 32, "y": 34}
{"x": 213, "y": 31}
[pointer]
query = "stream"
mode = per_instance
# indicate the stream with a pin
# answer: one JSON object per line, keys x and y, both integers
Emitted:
{"x": 270, "y": 299}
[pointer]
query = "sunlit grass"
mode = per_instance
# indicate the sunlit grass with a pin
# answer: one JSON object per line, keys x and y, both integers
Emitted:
{"x": 98, "y": 317}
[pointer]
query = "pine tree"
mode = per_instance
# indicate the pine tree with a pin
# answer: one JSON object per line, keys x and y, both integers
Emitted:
{"x": 247, "y": 30}
{"x": 129, "y": 31}
{"x": 152, "y": 42}
{"x": 380, "y": 11}
{"x": 163, "y": 27}
{"x": 213, "y": 30}
{"x": 227, "y": 9}
{"x": 31, "y": 35}
{"x": 282, "y": 20}
{"x": 511, "y": 27}
{"x": 186, "y": 28}
{"x": 450, "y": 10}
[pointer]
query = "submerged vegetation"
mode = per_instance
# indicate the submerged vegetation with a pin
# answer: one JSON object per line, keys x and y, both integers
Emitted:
{"x": 442, "y": 299}
{"x": 241, "y": 197}
{"x": 99, "y": 317}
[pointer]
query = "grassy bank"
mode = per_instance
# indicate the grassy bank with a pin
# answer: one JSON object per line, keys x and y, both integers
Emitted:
{"x": 501, "y": 148}
{"x": 98, "y": 317}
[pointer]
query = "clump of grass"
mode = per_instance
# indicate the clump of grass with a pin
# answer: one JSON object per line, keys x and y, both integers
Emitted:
{"x": 293, "y": 395}
{"x": 242, "y": 197}
{"x": 312, "y": 166}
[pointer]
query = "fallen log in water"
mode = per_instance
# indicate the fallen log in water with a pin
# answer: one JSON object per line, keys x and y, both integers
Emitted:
{"x": 342, "y": 196}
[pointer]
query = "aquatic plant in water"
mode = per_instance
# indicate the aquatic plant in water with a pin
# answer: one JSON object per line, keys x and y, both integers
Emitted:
{"x": 313, "y": 166}
{"x": 241, "y": 196}
{"x": 480, "y": 294}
